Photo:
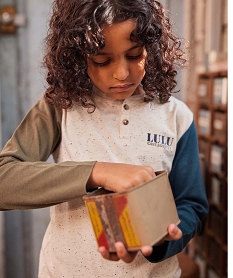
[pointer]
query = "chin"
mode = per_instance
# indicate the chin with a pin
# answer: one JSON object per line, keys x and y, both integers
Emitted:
{"x": 124, "y": 95}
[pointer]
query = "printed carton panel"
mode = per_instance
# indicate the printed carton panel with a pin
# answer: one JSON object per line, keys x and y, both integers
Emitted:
{"x": 137, "y": 217}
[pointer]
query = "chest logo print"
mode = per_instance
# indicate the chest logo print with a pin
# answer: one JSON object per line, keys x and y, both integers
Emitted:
{"x": 158, "y": 140}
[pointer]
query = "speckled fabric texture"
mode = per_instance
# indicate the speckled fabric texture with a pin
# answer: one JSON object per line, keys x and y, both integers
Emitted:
{"x": 129, "y": 131}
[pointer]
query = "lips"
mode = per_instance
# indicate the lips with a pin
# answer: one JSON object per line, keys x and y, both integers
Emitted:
{"x": 122, "y": 88}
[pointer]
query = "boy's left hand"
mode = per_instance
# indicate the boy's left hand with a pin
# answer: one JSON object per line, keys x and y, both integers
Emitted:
{"x": 174, "y": 233}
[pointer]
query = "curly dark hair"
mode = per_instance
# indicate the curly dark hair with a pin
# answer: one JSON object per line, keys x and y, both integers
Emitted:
{"x": 75, "y": 32}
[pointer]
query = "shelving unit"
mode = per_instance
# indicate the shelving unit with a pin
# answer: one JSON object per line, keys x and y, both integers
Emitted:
{"x": 211, "y": 120}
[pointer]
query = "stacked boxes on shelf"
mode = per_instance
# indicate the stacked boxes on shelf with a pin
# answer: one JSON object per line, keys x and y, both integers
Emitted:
{"x": 211, "y": 119}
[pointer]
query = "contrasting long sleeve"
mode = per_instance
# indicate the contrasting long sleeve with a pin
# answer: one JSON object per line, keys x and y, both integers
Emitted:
{"x": 26, "y": 180}
{"x": 189, "y": 192}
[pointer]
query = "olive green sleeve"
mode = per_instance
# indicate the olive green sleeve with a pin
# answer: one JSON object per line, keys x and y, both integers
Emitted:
{"x": 26, "y": 180}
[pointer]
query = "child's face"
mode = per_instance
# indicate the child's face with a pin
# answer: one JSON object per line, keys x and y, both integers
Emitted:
{"x": 119, "y": 67}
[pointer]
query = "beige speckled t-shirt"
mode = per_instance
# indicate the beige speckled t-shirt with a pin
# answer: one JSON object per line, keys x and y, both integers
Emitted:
{"x": 118, "y": 131}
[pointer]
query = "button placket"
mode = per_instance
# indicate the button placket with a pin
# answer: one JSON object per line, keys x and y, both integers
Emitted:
{"x": 125, "y": 121}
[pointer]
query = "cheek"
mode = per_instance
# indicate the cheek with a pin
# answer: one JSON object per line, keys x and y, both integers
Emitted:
{"x": 97, "y": 76}
{"x": 92, "y": 72}
{"x": 141, "y": 66}
{"x": 139, "y": 71}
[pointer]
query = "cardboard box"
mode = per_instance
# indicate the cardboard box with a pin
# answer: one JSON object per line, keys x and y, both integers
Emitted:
{"x": 220, "y": 126}
{"x": 220, "y": 90}
{"x": 204, "y": 121}
{"x": 204, "y": 90}
{"x": 137, "y": 217}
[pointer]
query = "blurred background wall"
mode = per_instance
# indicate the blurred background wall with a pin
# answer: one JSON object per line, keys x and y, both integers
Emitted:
{"x": 21, "y": 84}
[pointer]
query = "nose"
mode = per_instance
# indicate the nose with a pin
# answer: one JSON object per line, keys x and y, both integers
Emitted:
{"x": 121, "y": 70}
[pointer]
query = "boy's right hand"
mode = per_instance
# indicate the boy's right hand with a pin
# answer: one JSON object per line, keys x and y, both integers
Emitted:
{"x": 118, "y": 177}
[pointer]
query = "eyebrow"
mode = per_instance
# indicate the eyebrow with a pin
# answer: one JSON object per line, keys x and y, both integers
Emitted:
{"x": 106, "y": 53}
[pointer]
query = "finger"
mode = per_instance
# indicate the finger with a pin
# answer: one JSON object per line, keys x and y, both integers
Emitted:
{"x": 123, "y": 254}
{"x": 146, "y": 250}
{"x": 148, "y": 173}
{"x": 174, "y": 232}
{"x": 151, "y": 171}
{"x": 106, "y": 255}
{"x": 144, "y": 175}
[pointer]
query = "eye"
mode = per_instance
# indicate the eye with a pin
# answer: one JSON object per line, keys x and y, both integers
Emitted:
{"x": 134, "y": 57}
{"x": 101, "y": 64}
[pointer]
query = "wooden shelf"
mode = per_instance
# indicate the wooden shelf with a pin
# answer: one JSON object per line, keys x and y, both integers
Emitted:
{"x": 211, "y": 121}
